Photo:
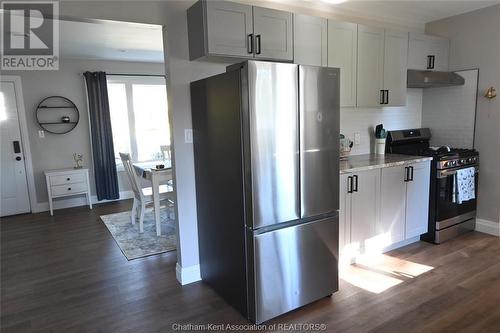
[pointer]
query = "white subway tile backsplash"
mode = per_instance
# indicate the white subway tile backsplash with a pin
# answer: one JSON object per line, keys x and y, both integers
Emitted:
{"x": 364, "y": 120}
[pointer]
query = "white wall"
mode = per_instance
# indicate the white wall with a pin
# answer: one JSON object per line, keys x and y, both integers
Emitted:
{"x": 364, "y": 120}
{"x": 180, "y": 72}
{"x": 56, "y": 151}
{"x": 475, "y": 43}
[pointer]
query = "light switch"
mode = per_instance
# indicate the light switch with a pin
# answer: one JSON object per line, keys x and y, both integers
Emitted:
{"x": 188, "y": 135}
{"x": 357, "y": 138}
{"x": 41, "y": 134}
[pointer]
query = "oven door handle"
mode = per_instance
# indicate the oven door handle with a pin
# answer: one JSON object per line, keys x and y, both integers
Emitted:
{"x": 446, "y": 173}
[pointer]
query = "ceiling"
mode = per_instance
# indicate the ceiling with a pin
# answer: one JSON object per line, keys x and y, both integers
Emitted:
{"x": 409, "y": 13}
{"x": 110, "y": 40}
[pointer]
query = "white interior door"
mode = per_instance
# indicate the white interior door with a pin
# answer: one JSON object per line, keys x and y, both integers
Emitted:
{"x": 14, "y": 198}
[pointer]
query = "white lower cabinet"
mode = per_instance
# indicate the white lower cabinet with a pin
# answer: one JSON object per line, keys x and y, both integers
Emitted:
{"x": 417, "y": 200}
{"x": 383, "y": 207}
{"x": 358, "y": 210}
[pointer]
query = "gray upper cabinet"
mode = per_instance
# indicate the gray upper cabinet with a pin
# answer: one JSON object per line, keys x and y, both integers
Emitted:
{"x": 229, "y": 26}
{"x": 343, "y": 53}
{"x": 273, "y": 34}
{"x": 382, "y": 67}
{"x": 426, "y": 52}
{"x": 395, "y": 67}
{"x": 310, "y": 40}
{"x": 228, "y": 29}
{"x": 370, "y": 66}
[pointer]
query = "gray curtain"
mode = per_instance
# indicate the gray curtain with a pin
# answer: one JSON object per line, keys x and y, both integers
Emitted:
{"x": 106, "y": 179}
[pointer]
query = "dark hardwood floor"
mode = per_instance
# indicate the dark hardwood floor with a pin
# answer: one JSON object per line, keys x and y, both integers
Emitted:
{"x": 66, "y": 274}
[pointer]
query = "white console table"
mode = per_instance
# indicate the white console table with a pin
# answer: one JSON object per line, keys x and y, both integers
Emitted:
{"x": 67, "y": 182}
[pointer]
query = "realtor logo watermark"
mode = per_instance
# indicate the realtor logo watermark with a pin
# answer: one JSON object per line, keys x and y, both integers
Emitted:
{"x": 30, "y": 35}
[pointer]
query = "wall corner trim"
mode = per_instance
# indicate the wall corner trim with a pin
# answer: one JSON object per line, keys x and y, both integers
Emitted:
{"x": 488, "y": 227}
{"x": 187, "y": 275}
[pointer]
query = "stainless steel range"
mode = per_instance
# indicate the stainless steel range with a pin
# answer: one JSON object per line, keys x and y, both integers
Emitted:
{"x": 448, "y": 216}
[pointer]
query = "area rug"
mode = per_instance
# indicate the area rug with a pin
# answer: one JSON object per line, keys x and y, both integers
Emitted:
{"x": 135, "y": 245}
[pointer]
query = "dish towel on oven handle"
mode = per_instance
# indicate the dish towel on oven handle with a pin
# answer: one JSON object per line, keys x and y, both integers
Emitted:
{"x": 464, "y": 185}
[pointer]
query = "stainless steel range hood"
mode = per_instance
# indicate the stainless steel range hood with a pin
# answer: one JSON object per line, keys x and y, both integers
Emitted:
{"x": 432, "y": 79}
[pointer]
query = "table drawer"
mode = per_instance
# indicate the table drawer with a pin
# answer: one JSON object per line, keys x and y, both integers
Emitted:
{"x": 67, "y": 179}
{"x": 68, "y": 189}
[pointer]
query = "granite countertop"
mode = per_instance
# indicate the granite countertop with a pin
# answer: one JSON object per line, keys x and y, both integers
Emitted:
{"x": 371, "y": 161}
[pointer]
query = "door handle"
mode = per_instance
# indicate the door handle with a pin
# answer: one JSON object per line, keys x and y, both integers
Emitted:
{"x": 18, "y": 158}
{"x": 411, "y": 173}
{"x": 382, "y": 99}
{"x": 355, "y": 189}
{"x": 349, "y": 184}
{"x": 17, "y": 147}
{"x": 407, "y": 174}
{"x": 250, "y": 44}
{"x": 257, "y": 42}
{"x": 386, "y": 97}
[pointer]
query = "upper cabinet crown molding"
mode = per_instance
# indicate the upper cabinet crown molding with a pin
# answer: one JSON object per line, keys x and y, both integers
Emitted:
{"x": 310, "y": 40}
{"x": 427, "y": 52}
{"x": 343, "y": 53}
{"x": 227, "y": 29}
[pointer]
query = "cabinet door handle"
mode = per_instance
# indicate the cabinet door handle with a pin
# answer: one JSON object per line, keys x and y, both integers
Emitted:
{"x": 250, "y": 43}
{"x": 407, "y": 174}
{"x": 411, "y": 173}
{"x": 68, "y": 179}
{"x": 430, "y": 61}
{"x": 69, "y": 188}
{"x": 355, "y": 189}
{"x": 382, "y": 96}
{"x": 17, "y": 147}
{"x": 387, "y": 97}
{"x": 349, "y": 184}
{"x": 257, "y": 41}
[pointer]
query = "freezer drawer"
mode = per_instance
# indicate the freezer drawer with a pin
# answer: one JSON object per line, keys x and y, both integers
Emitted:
{"x": 295, "y": 266}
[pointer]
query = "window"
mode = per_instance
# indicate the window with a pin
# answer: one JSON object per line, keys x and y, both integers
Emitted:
{"x": 139, "y": 116}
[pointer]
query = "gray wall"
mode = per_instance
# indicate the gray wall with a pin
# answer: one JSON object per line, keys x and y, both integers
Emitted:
{"x": 475, "y": 43}
{"x": 56, "y": 151}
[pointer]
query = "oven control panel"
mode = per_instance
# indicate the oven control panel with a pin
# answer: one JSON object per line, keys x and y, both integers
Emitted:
{"x": 458, "y": 162}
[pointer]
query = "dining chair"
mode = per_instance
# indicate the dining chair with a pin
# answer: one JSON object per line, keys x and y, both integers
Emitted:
{"x": 166, "y": 152}
{"x": 142, "y": 196}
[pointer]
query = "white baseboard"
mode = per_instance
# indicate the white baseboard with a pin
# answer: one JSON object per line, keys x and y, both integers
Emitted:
{"x": 488, "y": 227}
{"x": 76, "y": 201}
{"x": 186, "y": 275}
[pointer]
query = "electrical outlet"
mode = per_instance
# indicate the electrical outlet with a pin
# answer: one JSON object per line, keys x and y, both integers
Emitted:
{"x": 188, "y": 135}
{"x": 41, "y": 134}
{"x": 357, "y": 138}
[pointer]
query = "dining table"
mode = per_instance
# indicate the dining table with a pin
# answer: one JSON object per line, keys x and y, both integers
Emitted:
{"x": 157, "y": 177}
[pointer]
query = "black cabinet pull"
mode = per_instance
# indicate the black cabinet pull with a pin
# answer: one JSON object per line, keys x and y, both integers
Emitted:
{"x": 382, "y": 96}
{"x": 355, "y": 189}
{"x": 18, "y": 158}
{"x": 250, "y": 43}
{"x": 349, "y": 184}
{"x": 411, "y": 173}
{"x": 387, "y": 97}
{"x": 257, "y": 47}
{"x": 68, "y": 179}
{"x": 17, "y": 147}
{"x": 430, "y": 61}
{"x": 69, "y": 188}
{"x": 407, "y": 174}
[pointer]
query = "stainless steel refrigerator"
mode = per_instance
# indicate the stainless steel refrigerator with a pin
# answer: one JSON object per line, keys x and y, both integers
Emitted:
{"x": 266, "y": 148}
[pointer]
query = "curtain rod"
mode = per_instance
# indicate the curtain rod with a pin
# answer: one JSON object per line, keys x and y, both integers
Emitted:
{"x": 121, "y": 74}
